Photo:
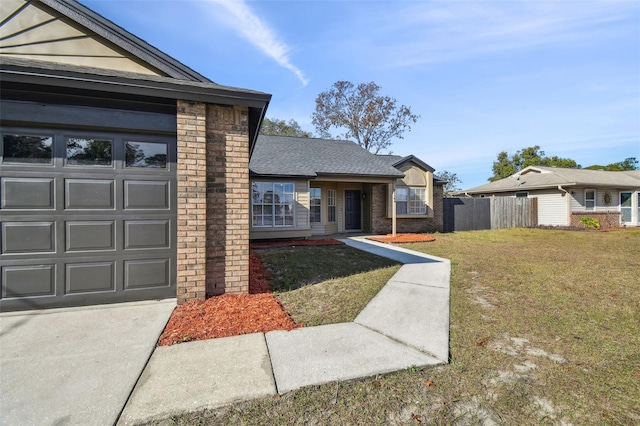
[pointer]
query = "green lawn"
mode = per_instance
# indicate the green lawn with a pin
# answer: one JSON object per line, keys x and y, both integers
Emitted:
{"x": 326, "y": 284}
{"x": 545, "y": 329}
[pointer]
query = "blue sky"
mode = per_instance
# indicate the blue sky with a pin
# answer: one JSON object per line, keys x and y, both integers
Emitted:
{"x": 484, "y": 76}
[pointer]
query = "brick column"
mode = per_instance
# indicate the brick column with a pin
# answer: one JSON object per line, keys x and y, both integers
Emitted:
{"x": 227, "y": 200}
{"x": 213, "y": 200}
{"x": 192, "y": 199}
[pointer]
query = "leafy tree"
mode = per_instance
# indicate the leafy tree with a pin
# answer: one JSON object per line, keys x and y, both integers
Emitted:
{"x": 452, "y": 181}
{"x": 630, "y": 163}
{"x": 506, "y": 165}
{"x": 277, "y": 127}
{"x": 372, "y": 120}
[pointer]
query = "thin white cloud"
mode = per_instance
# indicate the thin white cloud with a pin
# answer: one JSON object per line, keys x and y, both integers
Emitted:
{"x": 258, "y": 33}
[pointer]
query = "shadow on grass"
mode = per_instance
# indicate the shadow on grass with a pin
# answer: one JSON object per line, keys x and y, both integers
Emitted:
{"x": 295, "y": 267}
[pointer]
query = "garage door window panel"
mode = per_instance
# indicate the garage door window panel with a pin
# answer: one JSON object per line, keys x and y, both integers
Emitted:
{"x": 89, "y": 152}
{"x": 146, "y": 155}
{"x": 27, "y": 149}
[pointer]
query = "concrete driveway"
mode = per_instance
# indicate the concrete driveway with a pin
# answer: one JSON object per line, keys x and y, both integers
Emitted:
{"x": 75, "y": 366}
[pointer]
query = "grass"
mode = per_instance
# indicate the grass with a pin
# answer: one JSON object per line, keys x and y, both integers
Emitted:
{"x": 545, "y": 329}
{"x": 326, "y": 284}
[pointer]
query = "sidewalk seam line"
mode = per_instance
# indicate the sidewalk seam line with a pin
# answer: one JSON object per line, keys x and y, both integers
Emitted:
{"x": 155, "y": 346}
{"x": 273, "y": 373}
{"x": 401, "y": 342}
{"x": 391, "y": 281}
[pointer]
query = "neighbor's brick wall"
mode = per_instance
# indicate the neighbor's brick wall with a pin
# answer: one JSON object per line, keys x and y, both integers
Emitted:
{"x": 382, "y": 224}
{"x": 609, "y": 219}
{"x": 228, "y": 199}
{"x": 213, "y": 200}
{"x": 192, "y": 198}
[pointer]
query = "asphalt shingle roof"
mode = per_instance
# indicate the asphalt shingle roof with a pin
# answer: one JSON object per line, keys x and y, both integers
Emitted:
{"x": 312, "y": 157}
{"x": 538, "y": 177}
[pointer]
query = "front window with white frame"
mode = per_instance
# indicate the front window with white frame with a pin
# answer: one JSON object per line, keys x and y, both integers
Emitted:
{"x": 411, "y": 201}
{"x": 272, "y": 204}
{"x": 590, "y": 199}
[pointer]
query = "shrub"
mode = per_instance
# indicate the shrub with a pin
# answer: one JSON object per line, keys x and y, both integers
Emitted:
{"x": 590, "y": 222}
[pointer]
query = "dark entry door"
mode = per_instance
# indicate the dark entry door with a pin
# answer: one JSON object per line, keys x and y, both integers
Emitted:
{"x": 352, "y": 210}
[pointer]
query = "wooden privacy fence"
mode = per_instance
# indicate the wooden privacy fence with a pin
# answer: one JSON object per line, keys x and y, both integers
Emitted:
{"x": 469, "y": 214}
{"x": 508, "y": 212}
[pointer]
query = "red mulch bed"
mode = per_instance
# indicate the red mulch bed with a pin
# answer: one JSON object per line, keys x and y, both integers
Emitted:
{"x": 224, "y": 316}
{"x": 403, "y": 238}
{"x": 258, "y": 276}
{"x": 235, "y": 314}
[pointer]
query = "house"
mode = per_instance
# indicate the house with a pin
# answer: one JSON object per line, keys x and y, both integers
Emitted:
{"x": 303, "y": 187}
{"x": 123, "y": 173}
{"x": 566, "y": 195}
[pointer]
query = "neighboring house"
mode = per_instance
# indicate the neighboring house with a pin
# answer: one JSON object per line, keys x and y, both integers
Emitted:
{"x": 566, "y": 195}
{"x": 303, "y": 187}
{"x": 124, "y": 173}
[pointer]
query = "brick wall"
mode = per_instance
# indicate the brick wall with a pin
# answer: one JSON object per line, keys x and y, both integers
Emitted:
{"x": 192, "y": 198}
{"x": 609, "y": 219}
{"x": 227, "y": 200}
{"x": 213, "y": 200}
{"x": 383, "y": 225}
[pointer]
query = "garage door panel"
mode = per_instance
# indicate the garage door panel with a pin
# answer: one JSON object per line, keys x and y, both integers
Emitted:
{"x": 89, "y": 277}
{"x": 28, "y": 237}
{"x": 89, "y": 194}
{"x": 139, "y": 234}
{"x": 146, "y": 194}
{"x": 28, "y": 281}
{"x": 147, "y": 273}
{"x": 27, "y": 193}
{"x": 90, "y": 235}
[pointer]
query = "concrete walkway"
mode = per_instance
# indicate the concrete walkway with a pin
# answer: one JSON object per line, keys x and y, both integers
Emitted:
{"x": 79, "y": 366}
{"x": 405, "y": 325}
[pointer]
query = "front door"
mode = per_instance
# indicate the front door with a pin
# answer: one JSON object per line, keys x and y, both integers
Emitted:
{"x": 626, "y": 211}
{"x": 352, "y": 210}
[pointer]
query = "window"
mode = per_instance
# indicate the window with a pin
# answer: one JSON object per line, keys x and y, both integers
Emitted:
{"x": 411, "y": 201}
{"x": 522, "y": 194}
{"x": 27, "y": 149}
{"x": 315, "y": 205}
{"x": 590, "y": 199}
{"x": 146, "y": 154}
{"x": 417, "y": 201}
{"x": 331, "y": 205}
{"x": 89, "y": 152}
{"x": 402, "y": 195}
{"x": 272, "y": 204}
